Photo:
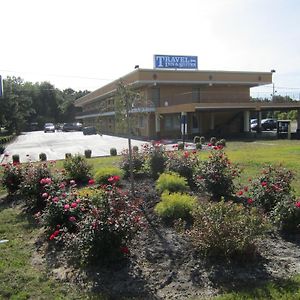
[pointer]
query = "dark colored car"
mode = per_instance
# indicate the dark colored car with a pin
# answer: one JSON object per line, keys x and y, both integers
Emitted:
{"x": 89, "y": 130}
{"x": 268, "y": 124}
{"x": 72, "y": 127}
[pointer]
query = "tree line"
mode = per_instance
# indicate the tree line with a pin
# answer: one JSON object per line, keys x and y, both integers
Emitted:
{"x": 24, "y": 103}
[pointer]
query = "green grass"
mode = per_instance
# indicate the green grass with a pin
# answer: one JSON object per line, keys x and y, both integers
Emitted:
{"x": 19, "y": 279}
{"x": 283, "y": 289}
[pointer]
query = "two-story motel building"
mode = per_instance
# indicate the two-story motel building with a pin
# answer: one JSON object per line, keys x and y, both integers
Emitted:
{"x": 210, "y": 102}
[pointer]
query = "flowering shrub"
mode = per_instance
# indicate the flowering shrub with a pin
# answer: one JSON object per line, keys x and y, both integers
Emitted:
{"x": 183, "y": 163}
{"x": 64, "y": 208}
{"x": 32, "y": 185}
{"x": 226, "y": 229}
{"x": 171, "y": 182}
{"x": 270, "y": 188}
{"x": 216, "y": 175}
{"x": 138, "y": 161}
{"x": 102, "y": 175}
{"x": 77, "y": 168}
{"x": 105, "y": 230}
{"x": 12, "y": 177}
{"x": 175, "y": 206}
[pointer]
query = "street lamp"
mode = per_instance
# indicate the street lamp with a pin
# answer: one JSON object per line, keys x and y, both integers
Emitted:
{"x": 273, "y": 71}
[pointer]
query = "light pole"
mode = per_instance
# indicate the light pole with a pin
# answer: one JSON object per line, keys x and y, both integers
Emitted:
{"x": 273, "y": 92}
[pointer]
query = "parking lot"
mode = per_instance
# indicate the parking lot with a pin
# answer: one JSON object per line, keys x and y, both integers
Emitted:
{"x": 55, "y": 145}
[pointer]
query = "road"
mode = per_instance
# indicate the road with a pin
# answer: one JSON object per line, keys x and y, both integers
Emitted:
{"x": 55, "y": 145}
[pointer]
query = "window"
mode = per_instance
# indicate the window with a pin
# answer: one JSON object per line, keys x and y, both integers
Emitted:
{"x": 155, "y": 96}
{"x": 172, "y": 122}
{"x": 196, "y": 94}
{"x": 141, "y": 122}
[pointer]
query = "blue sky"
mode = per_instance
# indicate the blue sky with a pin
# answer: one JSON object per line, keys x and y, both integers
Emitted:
{"x": 86, "y": 44}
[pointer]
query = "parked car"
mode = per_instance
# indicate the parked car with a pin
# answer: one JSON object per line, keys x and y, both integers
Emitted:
{"x": 89, "y": 130}
{"x": 72, "y": 127}
{"x": 266, "y": 124}
{"x": 49, "y": 127}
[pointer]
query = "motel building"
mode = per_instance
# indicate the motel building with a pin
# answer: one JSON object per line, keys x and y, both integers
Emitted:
{"x": 198, "y": 102}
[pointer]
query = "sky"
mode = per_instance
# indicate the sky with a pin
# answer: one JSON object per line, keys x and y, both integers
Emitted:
{"x": 86, "y": 44}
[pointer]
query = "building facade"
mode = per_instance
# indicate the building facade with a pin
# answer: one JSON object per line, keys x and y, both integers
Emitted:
{"x": 180, "y": 101}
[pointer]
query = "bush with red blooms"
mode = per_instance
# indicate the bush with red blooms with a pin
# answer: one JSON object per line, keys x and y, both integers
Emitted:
{"x": 106, "y": 228}
{"x": 12, "y": 177}
{"x": 216, "y": 175}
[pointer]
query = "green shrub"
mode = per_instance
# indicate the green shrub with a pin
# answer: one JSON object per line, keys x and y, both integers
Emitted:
{"x": 183, "y": 163}
{"x": 180, "y": 146}
{"x": 138, "y": 162}
{"x": 113, "y": 151}
{"x": 202, "y": 140}
{"x": 16, "y": 158}
{"x": 102, "y": 175}
{"x": 175, "y": 206}
{"x": 226, "y": 229}
{"x": 135, "y": 148}
{"x": 32, "y": 185}
{"x": 77, "y": 168}
{"x": 221, "y": 142}
{"x": 171, "y": 182}
{"x": 156, "y": 161}
{"x": 2, "y": 149}
{"x": 213, "y": 141}
{"x": 88, "y": 153}
{"x": 199, "y": 146}
{"x": 196, "y": 139}
{"x": 42, "y": 156}
{"x": 12, "y": 178}
{"x": 68, "y": 155}
{"x": 216, "y": 175}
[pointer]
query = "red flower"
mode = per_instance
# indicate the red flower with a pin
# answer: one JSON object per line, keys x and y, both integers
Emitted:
{"x": 240, "y": 193}
{"x": 250, "y": 201}
{"x": 124, "y": 250}
{"x": 67, "y": 206}
{"x": 186, "y": 154}
{"x": 74, "y": 205}
{"x": 297, "y": 204}
{"x": 72, "y": 219}
{"x": 91, "y": 182}
{"x": 209, "y": 145}
{"x": 114, "y": 179}
{"x": 264, "y": 183}
{"x": 245, "y": 188}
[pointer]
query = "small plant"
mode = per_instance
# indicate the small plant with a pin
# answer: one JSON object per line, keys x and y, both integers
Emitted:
{"x": 135, "y": 149}
{"x": 42, "y": 156}
{"x": 199, "y": 146}
{"x": 196, "y": 139}
{"x": 183, "y": 163}
{"x": 171, "y": 182}
{"x": 88, "y": 153}
{"x": 216, "y": 175}
{"x": 113, "y": 151}
{"x": 2, "y": 149}
{"x": 226, "y": 229}
{"x": 138, "y": 162}
{"x": 175, "y": 206}
{"x": 77, "y": 168}
{"x": 180, "y": 146}
{"x": 103, "y": 175}
{"x": 12, "y": 178}
{"x": 68, "y": 155}
{"x": 156, "y": 161}
{"x": 202, "y": 140}
{"x": 16, "y": 159}
{"x": 213, "y": 141}
{"x": 221, "y": 142}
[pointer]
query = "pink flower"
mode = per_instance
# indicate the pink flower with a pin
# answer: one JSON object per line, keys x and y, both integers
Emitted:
{"x": 74, "y": 205}
{"x": 44, "y": 195}
{"x": 66, "y": 206}
{"x": 209, "y": 145}
{"x": 78, "y": 200}
{"x": 72, "y": 219}
{"x": 114, "y": 179}
{"x": 91, "y": 182}
{"x": 52, "y": 236}
{"x": 297, "y": 204}
{"x": 264, "y": 183}
{"x": 186, "y": 154}
{"x": 62, "y": 186}
{"x": 55, "y": 199}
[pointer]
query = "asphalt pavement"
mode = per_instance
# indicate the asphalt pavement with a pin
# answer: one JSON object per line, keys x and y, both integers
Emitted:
{"x": 55, "y": 145}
